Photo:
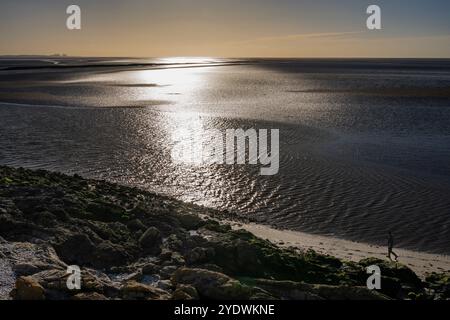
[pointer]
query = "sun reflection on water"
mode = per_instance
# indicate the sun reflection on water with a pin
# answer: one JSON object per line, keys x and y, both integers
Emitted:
{"x": 186, "y": 136}
{"x": 177, "y": 85}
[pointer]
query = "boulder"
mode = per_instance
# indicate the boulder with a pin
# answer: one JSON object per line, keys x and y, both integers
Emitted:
{"x": 241, "y": 254}
{"x": 397, "y": 280}
{"x": 165, "y": 285}
{"x": 212, "y": 285}
{"x": 190, "y": 221}
{"x": 25, "y": 269}
{"x": 200, "y": 255}
{"x": 167, "y": 272}
{"x": 76, "y": 249}
{"x": 151, "y": 241}
{"x": 150, "y": 269}
{"x": 136, "y": 225}
{"x": 133, "y": 290}
{"x": 27, "y": 288}
{"x": 108, "y": 254}
{"x": 185, "y": 292}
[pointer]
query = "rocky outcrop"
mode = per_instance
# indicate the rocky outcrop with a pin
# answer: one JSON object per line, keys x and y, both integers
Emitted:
{"x": 439, "y": 284}
{"x": 213, "y": 285}
{"x": 289, "y": 290}
{"x": 131, "y": 244}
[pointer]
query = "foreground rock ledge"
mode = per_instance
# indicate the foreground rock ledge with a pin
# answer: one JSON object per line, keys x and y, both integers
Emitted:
{"x": 132, "y": 244}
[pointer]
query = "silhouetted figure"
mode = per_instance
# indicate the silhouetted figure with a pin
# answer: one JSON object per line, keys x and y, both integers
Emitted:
{"x": 390, "y": 247}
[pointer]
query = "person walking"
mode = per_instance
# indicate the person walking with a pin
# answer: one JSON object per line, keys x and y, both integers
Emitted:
{"x": 391, "y": 247}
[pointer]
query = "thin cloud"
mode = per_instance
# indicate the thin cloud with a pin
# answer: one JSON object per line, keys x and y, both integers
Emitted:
{"x": 293, "y": 37}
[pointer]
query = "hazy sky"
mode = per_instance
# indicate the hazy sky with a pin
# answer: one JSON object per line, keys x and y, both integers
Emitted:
{"x": 227, "y": 28}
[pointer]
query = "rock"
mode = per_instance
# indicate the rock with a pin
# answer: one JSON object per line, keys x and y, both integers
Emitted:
{"x": 137, "y": 276}
{"x": 80, "y": 250}
{"x": 215, "y": 226}
{"x": 136, "y": 225}
{"x": 173, "y": 243}
{"x": 440, "y": 283}
{"x": 27, "y": 259}
{"x": 212, "y": 285}
{"x": 190, "y": 221}
{"x": 165, "y": 285}
{"x": 391, "y": 287}
{"x": 210, "y": 267}
{"x": 149, "y": 269}
{"x": 394, "y": 270}
{"x": 7, "y": 277}
{"x": 106, "y": 211}
{"x": 347, "y": 293}
{"x": 165, "y": 255}
{"x": 286, "y": 290}
{"x": 417, "y": 297}
{"x": 151, "y": 241}
{"x": 16, "y": 229}
{"x": 185, "y": 292}
{"x": 76, "y": 249}
{"x": 241, "y": 254}
{"x": 94, "y": 281}
{"x": 108, "y": 254}
{"x": 89, "y": 296}
{"x": 169, "y": 258}
{"x": 133, "y": 290}
{"x": 301, "y": 291}
{"x": 25, "y": 269}
{"x": 55, "y": 283}
{"x": 27, "y": 288}
{"x": 324, "y": 260}
{"x": 177, "y": 259}
{"x": 200, "y": 255}
{"x": 397, "y": 280}
{"x": 167, "y": 272}
{"x": 45, "y": 219}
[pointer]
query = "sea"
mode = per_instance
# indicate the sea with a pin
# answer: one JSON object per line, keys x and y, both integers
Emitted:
{"x": 364, "y": 143}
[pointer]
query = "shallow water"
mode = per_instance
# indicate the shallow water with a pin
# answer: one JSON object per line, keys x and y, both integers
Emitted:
{"x": 365, "y": 145}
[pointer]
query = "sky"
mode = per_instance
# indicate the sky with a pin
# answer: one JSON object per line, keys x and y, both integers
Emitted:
{"x": 226, "y": 28}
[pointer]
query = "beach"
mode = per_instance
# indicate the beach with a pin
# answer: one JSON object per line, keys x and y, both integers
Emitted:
{"x": 421, "y": 263}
